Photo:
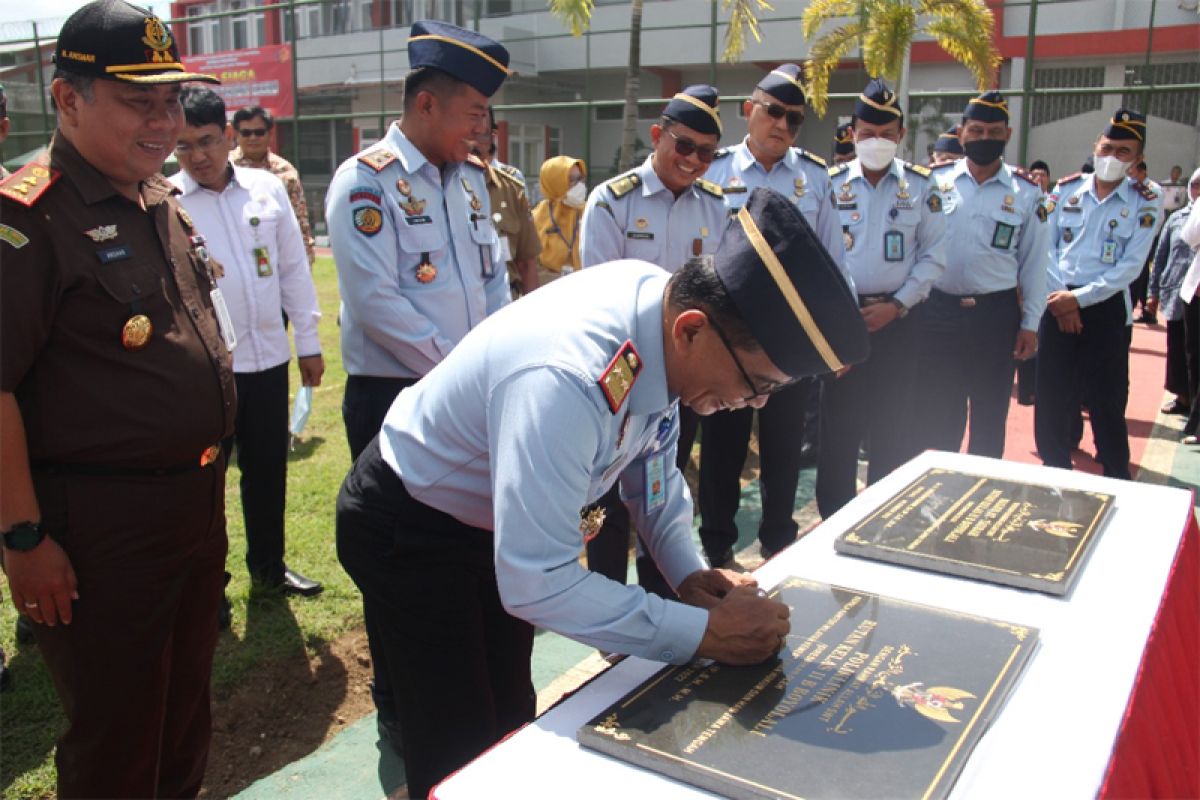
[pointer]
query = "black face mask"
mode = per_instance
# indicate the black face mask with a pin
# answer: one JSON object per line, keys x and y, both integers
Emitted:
{"x": 984, "y": 151}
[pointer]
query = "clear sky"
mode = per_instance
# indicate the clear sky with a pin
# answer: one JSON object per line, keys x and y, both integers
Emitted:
{"x": 25, "y": 10}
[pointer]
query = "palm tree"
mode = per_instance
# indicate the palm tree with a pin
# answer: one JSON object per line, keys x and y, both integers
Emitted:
{"x": 577, "y": 15}
{"x": 884, "y": 31}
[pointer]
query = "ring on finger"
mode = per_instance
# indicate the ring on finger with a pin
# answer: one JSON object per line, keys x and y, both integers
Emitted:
{"x": 31, "y": 604}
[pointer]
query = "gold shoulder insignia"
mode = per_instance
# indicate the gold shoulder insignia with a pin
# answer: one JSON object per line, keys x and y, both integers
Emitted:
{"x": 917, "y": 168}
{"x": 813, "y": 157}
{"x": 942, "y": 165}
{"x": 623, "y": 184}
{"x": 709, "y": 187}
{"x": 30, "y": 182}
{"x": 474, "y": 161}
{"x": 377, "y": 159}
{"x": 839, "y": 169}
{"x": 1070, "y": 178}
{"x": 619, "y": 376}
{"x": 1020, "y": 172}
{"x": 514, "y": 173}
{"x": 1145, "y": 191}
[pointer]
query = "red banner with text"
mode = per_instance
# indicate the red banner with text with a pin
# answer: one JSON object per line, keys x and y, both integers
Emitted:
{"x": 256, "y": 76}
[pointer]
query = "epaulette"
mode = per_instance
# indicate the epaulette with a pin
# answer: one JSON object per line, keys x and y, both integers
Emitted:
{"x": 514, "y": 173}
{"x": 619, "y": 376}
{"x": 709, "y": 187}
{"x": 474, "y": 161}
{"x": 1145, "y": 191}
{"x": 377, "y": 159}
{"x": 506, "y": 176}
{"x": 934, "y": 168}
{"x": 1070, "y": 179}
{"x": 1021, "y": 173}
{"x": 839, "y": 169}
{"x": 813, "y": 157}
{"x": 623, "y": 184}
{"x": 917, "y": 168}
{"x": 724, "y": 152}
{"x": 30, "y": 182}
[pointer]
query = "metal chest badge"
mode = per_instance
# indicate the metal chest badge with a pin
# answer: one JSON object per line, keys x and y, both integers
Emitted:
{"x": 426, "y": 271}
{"x": 799, "y": 186}
{"x": 136, "y": 332}
{"x": 102, "y": 233}
{"x": 590, "y": 522}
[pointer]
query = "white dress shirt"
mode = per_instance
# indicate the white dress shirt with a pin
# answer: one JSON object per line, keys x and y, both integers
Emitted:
{"x": 250, "y": 213}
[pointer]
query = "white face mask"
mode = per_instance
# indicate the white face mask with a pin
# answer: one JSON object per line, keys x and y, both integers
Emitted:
{"x": 576, "y": 196}
{"x": 1110, "y": 168}
{"x": 875, "y": 153}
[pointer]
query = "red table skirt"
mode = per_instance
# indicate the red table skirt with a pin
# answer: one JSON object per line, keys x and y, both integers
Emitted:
{"x": 1157, "y": 751}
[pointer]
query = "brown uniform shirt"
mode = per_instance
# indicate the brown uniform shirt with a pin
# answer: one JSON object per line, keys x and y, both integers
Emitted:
{"x": 75, "y": 266}
{"x": 283, "y": 169}
{"x": 510, "y": 212}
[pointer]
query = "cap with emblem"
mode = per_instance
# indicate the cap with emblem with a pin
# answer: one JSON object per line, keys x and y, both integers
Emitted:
{"x": 878, "y": 104}
{"x": 1127, "y": 124}
{"x": 698, "y": 107}
{"x": 988, "y": 107}
{"x": 471, "y": 57}
{"x": 784, "y": 84}
{"x": 788, "y": 289}
{"x": 843, "y": 139}
{"x": 947, "y": 142}
{"x": 119, "y": 41}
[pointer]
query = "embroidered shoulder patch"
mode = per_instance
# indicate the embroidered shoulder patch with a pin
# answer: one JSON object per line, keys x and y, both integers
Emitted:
{"x": 917, "y": 168}
{"x": 813, "y": 157}
{"x": 839, "y": 169}
{"x": 368, "y": 220}
{"x": 13, "y": 236}
{"x": 619, "y": 376}
{"x": 30, "y": 182}
{"x": 377, "y": 159}
{"x": 623, "y": 184}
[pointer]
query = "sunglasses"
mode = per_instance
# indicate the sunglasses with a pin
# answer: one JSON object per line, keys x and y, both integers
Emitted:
{"x": 685, "y": 147}
{"x": 755, "y": 392}
{"x": 252, "y": 132}
{"x": 775, "y": 111}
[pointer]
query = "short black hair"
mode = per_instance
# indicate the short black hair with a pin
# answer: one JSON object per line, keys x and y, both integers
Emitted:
{"x": 250, "y": 112}
{"x": 202, "y": 106}
{"x": 429, "y": 79}
{"x": 81, "y": 83}
{"x": 1042, "y": 165}
{"x": 1142, "y": 166}
{"x": 698, "y": 286}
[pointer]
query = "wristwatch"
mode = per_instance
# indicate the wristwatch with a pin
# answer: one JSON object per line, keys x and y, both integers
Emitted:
{"x": 24, "y": 536}
{"x": 901, "y": 309}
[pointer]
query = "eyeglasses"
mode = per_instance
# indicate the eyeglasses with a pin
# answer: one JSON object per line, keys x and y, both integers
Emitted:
{"x": 755, "y": 393}
{"x": 685, "y": 147}
{"x": 252, "y": 132}
{"x": 207, "y": 144}
{"x": 776, "y": 111}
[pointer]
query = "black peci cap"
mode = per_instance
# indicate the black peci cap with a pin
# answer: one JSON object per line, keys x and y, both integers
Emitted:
{"x": 878, "y": 104}
{"x": 988, "y": 107}
{"x": 784, "y": 84}
{"x": 788, "y": 289}
{"x": 698, "y": 107}
{"x": 471, "y": 57}
{"x": 115, "y": 40}
{"x": 1127, "y": 124}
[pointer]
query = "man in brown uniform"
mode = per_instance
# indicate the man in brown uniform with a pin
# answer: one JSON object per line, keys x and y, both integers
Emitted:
{"x": 252, "y": 126}
{"x": 519, "y": 241}
{"x": 116, "y": 385}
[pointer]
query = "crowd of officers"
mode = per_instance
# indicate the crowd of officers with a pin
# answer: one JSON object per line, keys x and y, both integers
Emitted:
{"x": 142, "y": 340}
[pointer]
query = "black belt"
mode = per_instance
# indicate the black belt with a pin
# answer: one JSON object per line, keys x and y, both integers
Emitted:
{"x": 207, "y": 458}
{"x": 971, "y": 300}
{"x": 865, "y": 300}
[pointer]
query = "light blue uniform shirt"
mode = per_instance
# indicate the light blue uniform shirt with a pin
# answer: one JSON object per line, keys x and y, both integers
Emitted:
{"x": 393, "y": 323}
{"x": 894, "y": 232}
{"x": 1100, "y": 246}
{"x": 800, "y": 176}
{"x": 649, "y": 222}
{"x": 512, "y": 433}
{"x": 996, "y": 236}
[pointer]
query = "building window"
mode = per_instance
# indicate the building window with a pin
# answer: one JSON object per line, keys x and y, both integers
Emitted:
{"x": 1061, "y": 106}
{"x": 204, "y": 35}
{"x": 1183, "y": 107}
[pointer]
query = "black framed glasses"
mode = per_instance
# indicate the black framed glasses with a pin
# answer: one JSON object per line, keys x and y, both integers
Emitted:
{"x": 685, "y": 147}
{"x": 776, "y": 111}
{"x": 252, "y": 132}
{"x": 755, "y": 392}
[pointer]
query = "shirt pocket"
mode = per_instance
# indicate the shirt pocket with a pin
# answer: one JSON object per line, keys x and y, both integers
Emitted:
{"x": 422, "y": 244}
{"x": 808, "y": 205}
{"x": 486, "y": 242}
{"x": 854, "y": 229}
{"x": 1001, "y": 230}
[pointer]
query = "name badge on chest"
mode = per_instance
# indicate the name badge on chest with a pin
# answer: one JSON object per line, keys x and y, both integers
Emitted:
{"x": 1108, "y": 248}
{"x": 893, "y": 246}
{"x": 1002, "y": 236}
{"x": 656, "y": 490}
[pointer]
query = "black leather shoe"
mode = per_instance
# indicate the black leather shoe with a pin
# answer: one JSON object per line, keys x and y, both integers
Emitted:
{"x": 24, "y": 630}
{"x": 295, "y": 583}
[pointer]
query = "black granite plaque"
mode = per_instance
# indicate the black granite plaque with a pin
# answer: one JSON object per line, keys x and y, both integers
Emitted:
{"x": 1029, "y": 535}
{"x": 872, "y": 697}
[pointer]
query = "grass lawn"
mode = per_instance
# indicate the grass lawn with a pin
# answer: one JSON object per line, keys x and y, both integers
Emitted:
{"x": 30, "y": 716}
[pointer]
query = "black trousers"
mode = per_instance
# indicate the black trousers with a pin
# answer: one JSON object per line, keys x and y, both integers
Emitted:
{"x": 608, "y": 550}
{"x": 726, "y": 439}
{"x": 1191, "y": 327}
{"x": 260, "y": 437}
{"x": 365, "y": 403}
{"x": 133, "y": 668}
{"x": 873, "y": 401}
{"x": 1183, "y": 351}
{"x": 458, "y": 662}
{"x": 1093, "y": 364}
{"x": 965, "y": 363}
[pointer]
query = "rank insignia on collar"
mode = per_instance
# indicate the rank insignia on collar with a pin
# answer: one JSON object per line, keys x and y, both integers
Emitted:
{"x": 619, "y": 376}
{"x": 102, "y": 233}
